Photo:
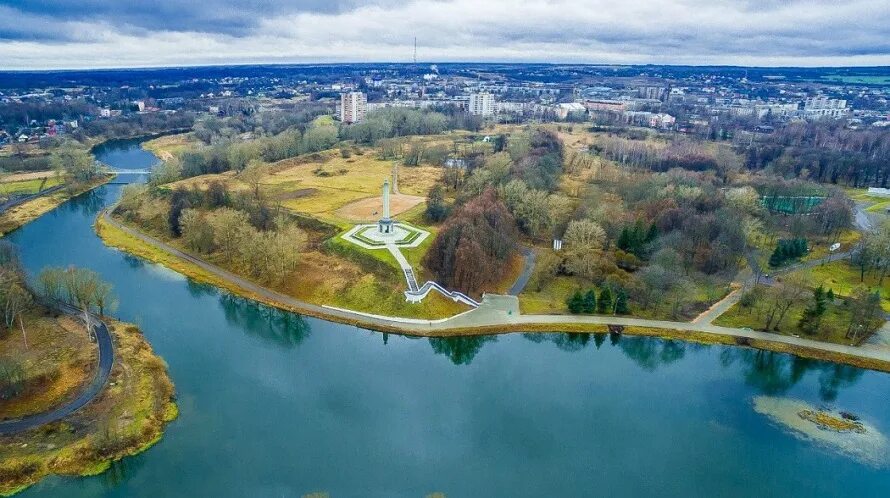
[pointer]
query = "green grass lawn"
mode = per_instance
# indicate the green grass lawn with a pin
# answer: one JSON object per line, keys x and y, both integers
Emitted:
{"x": 833, "y": 326}
{"x": 28, "y": 186}
{"x": 843, "y": 277}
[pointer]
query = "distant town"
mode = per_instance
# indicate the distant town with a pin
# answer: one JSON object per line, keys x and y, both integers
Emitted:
{"x": 38, "y": 107}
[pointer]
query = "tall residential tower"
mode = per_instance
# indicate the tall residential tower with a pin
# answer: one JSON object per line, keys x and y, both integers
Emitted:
{"x": 353, "y": 106}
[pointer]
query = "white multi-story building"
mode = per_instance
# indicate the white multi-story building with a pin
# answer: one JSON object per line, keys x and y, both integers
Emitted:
{"x": 481, "y": 104}
{"x": 819, "y": 107}
{"x": 353, "y": 106}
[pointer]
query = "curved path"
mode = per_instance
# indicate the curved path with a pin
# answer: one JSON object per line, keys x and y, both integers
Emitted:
{"x": 106, "y": 361}
{"x": 496, "y": 313}
{"x": 528, "y": 257}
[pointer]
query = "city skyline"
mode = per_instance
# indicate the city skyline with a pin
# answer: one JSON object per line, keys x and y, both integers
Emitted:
{"x": 47, "y": 34}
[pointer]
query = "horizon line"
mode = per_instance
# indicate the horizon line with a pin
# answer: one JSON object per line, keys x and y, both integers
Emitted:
{"x": 420, "y": 63}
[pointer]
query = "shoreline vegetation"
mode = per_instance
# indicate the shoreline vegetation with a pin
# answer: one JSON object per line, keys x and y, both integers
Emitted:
{"x": 126, "y": 418}
{"x": 113, "y": 236}
{"x": 29, "y": 211}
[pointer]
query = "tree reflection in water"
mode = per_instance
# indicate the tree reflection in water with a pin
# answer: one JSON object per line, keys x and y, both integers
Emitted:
{"x": 462, "y": 349}
{"x": 120, "y": 470}
{"x": 651, "y": 353}
{"x": 776, "y": 373}
{"x": 88, "y": 203}
{"x": 280, "y": 327}
{"x": 197, "y": 289}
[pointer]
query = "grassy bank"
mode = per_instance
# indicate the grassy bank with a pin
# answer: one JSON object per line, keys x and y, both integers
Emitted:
{"x": 57, "y": 361}
{"x": 127, "y": 417}
{"x": 29, "y": 211}
{"x": 117, "y": 238}
{"x": 321, "y": 279}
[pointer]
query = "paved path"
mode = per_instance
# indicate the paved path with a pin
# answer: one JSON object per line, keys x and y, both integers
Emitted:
{"x": 529, "y": 256}
{"x": 23, "y": 199}
{"x": 495, "y": 311}
{"x": 106, "y": 361}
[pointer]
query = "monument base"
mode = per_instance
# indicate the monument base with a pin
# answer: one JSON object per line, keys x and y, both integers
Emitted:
{"x": 386, "y": 227}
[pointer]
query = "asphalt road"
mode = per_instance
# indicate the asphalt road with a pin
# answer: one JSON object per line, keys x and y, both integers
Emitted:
{"x": 528, "y": 256}
{"x": 106, "y": 361}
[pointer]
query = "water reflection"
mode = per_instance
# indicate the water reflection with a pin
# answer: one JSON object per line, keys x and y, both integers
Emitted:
{"x": 461, "y": 350}
{"x": 88, "y": 203}
{"x": 775, "y": 373}
{"x": 280, "y": 327}
{"x": 650, "y": 354}
{"x": 198, "y": 289}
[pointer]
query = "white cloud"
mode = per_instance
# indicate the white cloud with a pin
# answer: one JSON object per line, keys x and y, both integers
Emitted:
{"x": 595, "y": 31}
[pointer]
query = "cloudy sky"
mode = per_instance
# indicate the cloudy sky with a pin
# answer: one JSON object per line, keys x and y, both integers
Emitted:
{"x": 42, "y": 34}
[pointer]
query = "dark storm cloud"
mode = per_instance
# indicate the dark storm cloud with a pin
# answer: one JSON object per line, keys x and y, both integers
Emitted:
{"x": 232, "y": 17}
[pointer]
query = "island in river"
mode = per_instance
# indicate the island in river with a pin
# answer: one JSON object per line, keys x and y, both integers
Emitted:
{"x": 127, "y": 416}
{"x": 66, "y": 405}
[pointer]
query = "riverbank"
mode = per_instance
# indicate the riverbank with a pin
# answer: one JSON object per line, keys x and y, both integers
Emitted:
{"x": 127, "y": 417}
{"x": 28, "y": 211}
{"x": 489, "y": 318}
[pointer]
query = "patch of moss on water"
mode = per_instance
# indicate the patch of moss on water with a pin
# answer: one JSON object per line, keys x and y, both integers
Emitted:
{"x": 827, "y": 429}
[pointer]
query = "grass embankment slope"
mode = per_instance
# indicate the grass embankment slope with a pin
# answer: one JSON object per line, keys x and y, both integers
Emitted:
{"x": 127, "y": 417}
{"x": 28, "y": 211}
{"x": 337, "y": 191}
{"x": 168, "y": 146}
{"x": 321, "y": 279}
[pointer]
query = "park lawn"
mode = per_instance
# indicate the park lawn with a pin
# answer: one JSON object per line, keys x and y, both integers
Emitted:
{"x": 819, "y": 248}
{"x": 28, "y": 211}
{"x": 879, "y": 207}
{"x": 359, "y": 173}
{"x": 58, "y": 361}
{"x": 320, "y": 184}
{"x": 381, "y": 254}
{"x": 833, "y": 327}
{"x": 128, "y": 416}
{"x": 328, "y": 280}
{"x": 842, "y": 278}
{"x": 31, "y": 186}
{"x": 550, "y": 299}
{"x": 168, "y": 146}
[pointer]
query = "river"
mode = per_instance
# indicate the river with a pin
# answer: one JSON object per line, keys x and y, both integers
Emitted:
{"x": 273, "y": 404}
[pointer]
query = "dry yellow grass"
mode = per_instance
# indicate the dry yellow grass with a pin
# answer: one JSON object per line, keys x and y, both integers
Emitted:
{"x": 127, "y": 417}
{"x": 33, "y": 209}
{"x": 322, "y": 184}
{"x": 21, "y": 177}
{"x": 58, "y": 361}
{"x": 371, "y": 208}
{"x": 167, "y": 146}
{"x": 320, "y": 279}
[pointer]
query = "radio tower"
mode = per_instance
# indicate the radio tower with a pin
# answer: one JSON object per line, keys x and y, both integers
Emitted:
{"x": 415, "y": 51}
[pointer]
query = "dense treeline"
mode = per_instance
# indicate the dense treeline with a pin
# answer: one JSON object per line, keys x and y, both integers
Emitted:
{"x": 400, "y": 122}
{"x": 474, "y": 244}
{"x": 132, "y": 125}
{"x": 240, "y": 229}
{"x": 13, "y": 114}
{"x": 825, "y": 151}
{"x": 224, "y": 156}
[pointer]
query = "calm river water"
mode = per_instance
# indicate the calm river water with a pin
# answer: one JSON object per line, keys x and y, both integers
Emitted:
{"x": 273, "y": 404}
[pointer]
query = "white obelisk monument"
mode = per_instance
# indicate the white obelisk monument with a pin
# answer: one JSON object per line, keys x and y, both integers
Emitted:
{"x": 385, "y": 224}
